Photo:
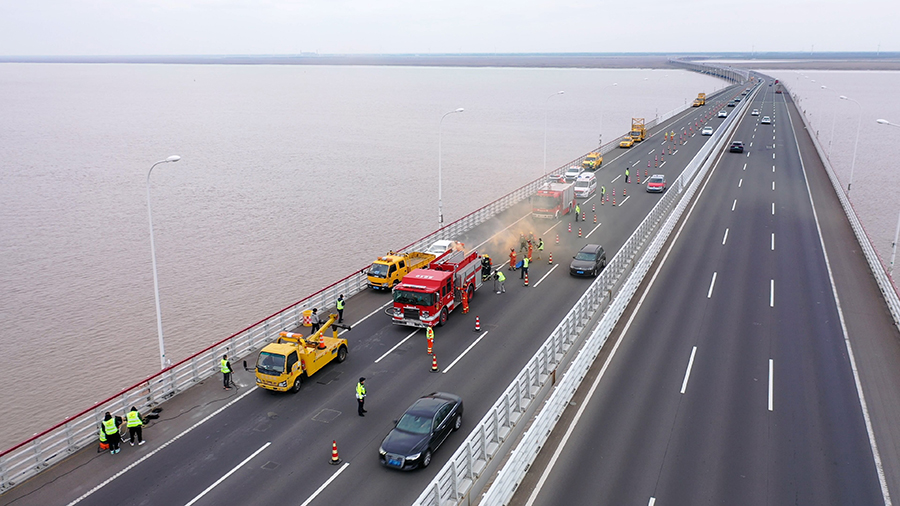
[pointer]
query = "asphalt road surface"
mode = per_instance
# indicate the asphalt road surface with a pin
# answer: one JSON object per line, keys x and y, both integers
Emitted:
{"x": 255, "y": 447}
{"x": 732, "y": 384}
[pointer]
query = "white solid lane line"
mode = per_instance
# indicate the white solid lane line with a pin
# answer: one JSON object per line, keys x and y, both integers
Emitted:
{"x": 545, "y": 275}
{"x": 652, "y": 501}
{"x": 397, "y": 345}
{"x": 623, "y": 200}
{"x": 687, "y": 373}
{"x": 771, "y": 367}
{"x": 445, "y": 371}
{"x": 320, "y": 489}
{"x": 229, "y": 473}
{"x": 772, "y": 293}
{"x": 368, "y": 315}
{"x": 615, "y": 179}
{"x": 773, "y": 241}
{"x": 651, "y": 151}
{"x": 733, "y": 204}
{"x": 711, "y": 285}
{"x": 551, "y": 228}
{"x": 725, "y": 238}
{"x": 595, "y": 228}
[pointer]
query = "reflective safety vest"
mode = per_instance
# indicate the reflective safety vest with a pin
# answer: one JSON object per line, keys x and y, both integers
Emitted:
{"x": 109, "y": 426}
{"x": 134, "y": 419}
{"x": 577, "y": 209}
{"x": 360, "y": 391}
{"x": 102, "y": 436}
{"x": 626, "y": 172}
{"x": 541, "y": 246}
{"x": 429, "y": 333}
{"x": 500, "y": 276}
{"x": 340, "y": 304}
{"x": 224, "y": 368}
{"x": 602, "y": 190}
{"x": 525, "y": 262}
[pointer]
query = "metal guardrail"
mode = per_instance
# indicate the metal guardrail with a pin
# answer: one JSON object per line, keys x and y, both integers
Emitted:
{"x": 471, "y": 465}
{"x": 888, "y": 290}
{"x": 76, "y": 432}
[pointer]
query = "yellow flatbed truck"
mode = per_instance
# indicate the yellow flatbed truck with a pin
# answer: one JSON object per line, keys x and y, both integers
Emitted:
{"x": 284, "y": 364}
{"x": 387, "y": 271}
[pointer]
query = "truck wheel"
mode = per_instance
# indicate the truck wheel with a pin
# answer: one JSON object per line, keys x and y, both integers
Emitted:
{"x": 443, "y": 318}
{"x": 342, "y": 354}
{"x": 297, "y": 383}
{"x": 471, "y": 292}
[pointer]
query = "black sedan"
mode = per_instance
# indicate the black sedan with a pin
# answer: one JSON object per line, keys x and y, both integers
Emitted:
{"x": 736, "y": 147}
{"x": 589, "y": 261}
{"x": 421, "y": 430}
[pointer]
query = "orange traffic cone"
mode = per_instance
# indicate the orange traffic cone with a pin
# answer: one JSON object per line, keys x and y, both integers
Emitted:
{"x": 595, "y": 216}
{"x": 434, "y": 367}
{"x": 335, "y": 460}
{"x": 526, "y": 279}
{"x": 570, "y": 226}
{"x": 551, "y": 257}
{"x": 582, "y": 216}
{"x": 639, "y": 177}
{"x": 557, "y": 238}
{"x": 594, "y": 207}
{"x": 624, "y": 190}
{"x": 645, "y": 170}
{"x": 478, "y": 322}
{"x": 321, "y": 341}
{"x": 579, "y": 231}
{"x": 614, "y": 202}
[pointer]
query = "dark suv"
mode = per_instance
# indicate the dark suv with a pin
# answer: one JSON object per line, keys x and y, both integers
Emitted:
{"x": 589, "y": 261}
{"x": 736, "y": 147}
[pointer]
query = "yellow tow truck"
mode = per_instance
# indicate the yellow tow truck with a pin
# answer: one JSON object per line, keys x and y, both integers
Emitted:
{"x": 592, "y": 161}
{"x": 700, "y": 100}
{"x": 282, "y": 365}
{"x": 627, "y": 142}
{"x": 388, "y": 270}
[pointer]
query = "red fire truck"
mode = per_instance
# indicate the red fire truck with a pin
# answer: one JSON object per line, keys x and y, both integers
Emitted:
{"x": 553, "y": 200}
{"x": 425, "y": 297}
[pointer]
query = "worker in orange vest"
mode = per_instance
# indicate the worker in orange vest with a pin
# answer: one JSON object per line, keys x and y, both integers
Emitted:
{"x": 465, "y": 301}
{"x": 512, "y": 259}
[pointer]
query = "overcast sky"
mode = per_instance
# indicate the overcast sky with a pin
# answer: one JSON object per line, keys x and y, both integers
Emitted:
{"x": 163, "y": 27}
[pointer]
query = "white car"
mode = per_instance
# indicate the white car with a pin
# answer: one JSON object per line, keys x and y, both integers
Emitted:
{"x": 754, "y": 112}
{"x": 441, "y": 246}
{"x": 723, "y": 114}
{"x": 573, "y": 172}
{"x": 585, "y": 185}
{"x": 706, "y": 131}
{"x": 766, "y": 120}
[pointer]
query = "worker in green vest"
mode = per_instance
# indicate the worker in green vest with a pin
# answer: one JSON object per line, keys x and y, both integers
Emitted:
{"x": 577, "y": 212}
{"x": 225, "y": 367}
{"x": 500, "y": 279}
{"x": 340, "y": 308}
{"x": 103, "y": 444}
{"x": 135, "y": 425}
{"x": 111, "y": 428}
{"x": 540, "y": 247}
{"x": 361, "y": 396}
{"x": 525, "y": 263}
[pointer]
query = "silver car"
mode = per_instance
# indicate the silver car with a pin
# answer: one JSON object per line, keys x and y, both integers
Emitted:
{"x": 766, "y": 120}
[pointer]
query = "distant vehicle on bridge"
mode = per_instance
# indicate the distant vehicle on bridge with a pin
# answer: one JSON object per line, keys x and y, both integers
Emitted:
{"x": 592, "y": 161}
{"x": 553, "y": 200}
{"x": 586, "y": 185}
{"x": 421, "y": 430}
{"x": 656, "y": 183}
{"x": 736, "y": 147}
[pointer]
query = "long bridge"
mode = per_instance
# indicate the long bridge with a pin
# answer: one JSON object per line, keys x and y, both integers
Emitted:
{"x": 754, "y": 351}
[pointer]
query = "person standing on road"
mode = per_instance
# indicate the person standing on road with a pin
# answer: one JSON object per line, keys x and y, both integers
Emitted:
{"x": 602, "y": 194}
{"x": 135, "y": 424}
{"x": 523, "y": 245}
{"x": 577, "y": 212}
{"x": 627, "y": 175}
{"x": 500, "y": 279}
{"x": 512, "y": 259}
{"x": 314, "y": 320}
{"x": 111, "y": 428}
{"x": 540, "y": 247}
{"x": 225, "y": 367}
{"x": 361, "y": 396}
{"x": 340, "y": 308}
{"x": 524, "y": 268}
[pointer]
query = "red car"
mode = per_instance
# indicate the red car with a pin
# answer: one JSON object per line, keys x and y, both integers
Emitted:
{"x": 656, "y": 183}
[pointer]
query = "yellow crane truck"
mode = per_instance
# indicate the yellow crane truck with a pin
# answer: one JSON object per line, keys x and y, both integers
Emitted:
{"x": 388, "y": 270}
{"x": 638, "y": 132}
{"x": 700, "y": 100}
{"x": 282, "y": 365}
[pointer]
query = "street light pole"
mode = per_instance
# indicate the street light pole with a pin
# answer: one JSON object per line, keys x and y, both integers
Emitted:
{"x": 833, "y": 118}
{"x": 162, "y": 347}
{"x": 440, "y": 148}
{"x": 897, "y": 231}
{"x": 856, "y": 145}
{"x": 545, "y": 126}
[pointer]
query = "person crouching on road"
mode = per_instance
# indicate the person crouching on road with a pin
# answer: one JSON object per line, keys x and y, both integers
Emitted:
{"x": 111, "y": 426}
{"x": 135, "y": 424}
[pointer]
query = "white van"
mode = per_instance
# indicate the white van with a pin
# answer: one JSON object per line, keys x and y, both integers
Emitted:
{"x": 585, "y": 185}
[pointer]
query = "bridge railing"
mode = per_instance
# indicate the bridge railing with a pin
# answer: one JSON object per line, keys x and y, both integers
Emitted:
{"x": 885, "y": 283}
{"x": 82, "y": 429}
{"x": 475, "y": 460}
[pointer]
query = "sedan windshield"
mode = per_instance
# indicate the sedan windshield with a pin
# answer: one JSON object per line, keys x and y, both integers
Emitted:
{"x": 582, "y": 255}
{"x": 416, "y": 424}
{"x": 270, "y": 363}
{"x": 656, "y": 180}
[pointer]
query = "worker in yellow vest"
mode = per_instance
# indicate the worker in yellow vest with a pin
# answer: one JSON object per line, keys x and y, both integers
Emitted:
{"x": 111, "y": 426}
{"x": 340, "y": 308}
{"x": 361, "y": 396}
{"x": 225, "y": 367}
{"x": 135, "y": 425}
{"x": 500, "y": 279}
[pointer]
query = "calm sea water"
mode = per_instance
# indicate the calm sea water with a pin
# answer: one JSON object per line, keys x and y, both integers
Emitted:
{"x": 291, "y": 177}
{"x": 836, "y": 122}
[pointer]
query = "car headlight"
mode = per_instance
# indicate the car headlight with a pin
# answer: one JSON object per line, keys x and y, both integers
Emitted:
{"x": 258, "y": 380}
{"x": 283, "y": 384}
{"x": 381, "y": 451}
{"x": 414, "y": 456}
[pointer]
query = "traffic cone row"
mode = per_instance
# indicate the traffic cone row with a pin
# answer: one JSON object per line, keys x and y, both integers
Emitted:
{"x": 335, "y": 460}
{"x": 478, "y": 321}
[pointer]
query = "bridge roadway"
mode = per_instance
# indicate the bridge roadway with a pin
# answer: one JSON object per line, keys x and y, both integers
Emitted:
{"x": 746, "y": 395}
{"x": 255, "y": 447}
